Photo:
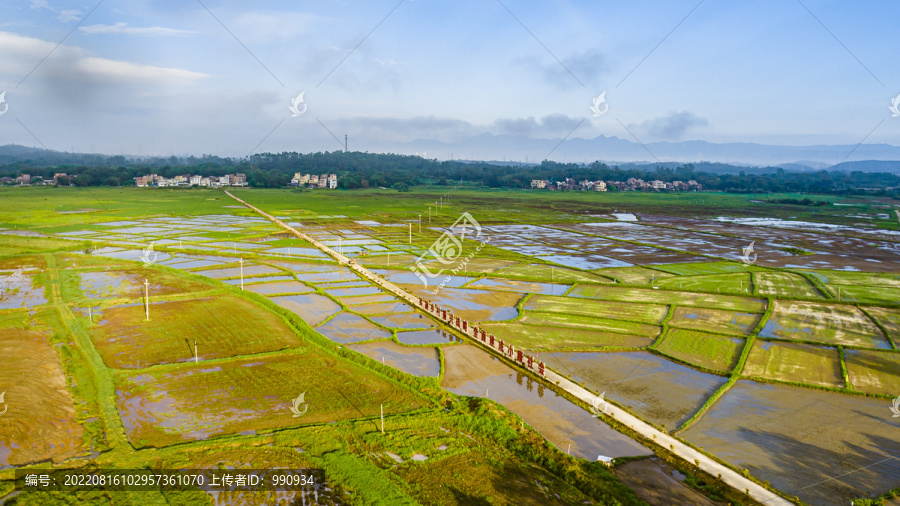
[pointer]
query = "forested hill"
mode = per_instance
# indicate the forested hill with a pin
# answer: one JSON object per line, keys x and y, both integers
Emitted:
{"x": 365, "y": 170}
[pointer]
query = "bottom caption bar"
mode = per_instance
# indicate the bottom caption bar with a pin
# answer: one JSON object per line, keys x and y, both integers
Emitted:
{"x": 136, "y": 480}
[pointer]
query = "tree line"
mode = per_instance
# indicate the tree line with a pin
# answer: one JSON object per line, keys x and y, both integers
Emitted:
{"x": 371, "y": 170}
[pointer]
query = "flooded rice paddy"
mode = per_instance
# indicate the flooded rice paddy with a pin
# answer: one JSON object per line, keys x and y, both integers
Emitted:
{"x": 18, "y": 289}
{"x": 824, "y": 448}
{"x": 349, "y": 328}
{"x": 475, "y": 305}
{"x": 419, "y": 361}
{"x": 313, "y": 308}
{"x": 430, "y": 336}
{"x": 279, "y": 287}
{"x": 472, "y": 372}
{"x": 657, "y": 390}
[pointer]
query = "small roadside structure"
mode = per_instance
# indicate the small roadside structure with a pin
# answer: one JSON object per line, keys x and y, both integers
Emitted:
{"x": 606, "y": 460}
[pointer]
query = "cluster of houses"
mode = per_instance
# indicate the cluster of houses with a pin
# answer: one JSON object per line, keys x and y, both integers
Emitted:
{"x": 306, "y": 181}
{"x": 29, "y": 180}
{"x": 153, "y": 180}
{"x": 631, "y": 184}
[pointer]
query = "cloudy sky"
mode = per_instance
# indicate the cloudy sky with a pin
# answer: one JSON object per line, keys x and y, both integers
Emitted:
{"x": 218, "y": 76}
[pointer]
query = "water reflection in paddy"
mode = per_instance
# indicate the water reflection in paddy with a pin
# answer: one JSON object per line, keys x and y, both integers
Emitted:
{"x": 472, "y": 372}
{"x": 98, "y": 285}
{"x": 475, "y": 305}
{"x": 290, "y": 251}
{"x": 403, "y": 321}
{"x": 17, "y": 290}
{"x": 313, "y": 308}
{"x": 520, "y": 286}
{"x": 350, "y": 328}
{"x": 421, "y": 361}
{"x": 431, "y": 336}
{"x": 267, "y": 279}
{"x": 410, "y": 278}
{"x": 130, "y": 254}
{"x": 278, "y": 287}
{"x": 347, "y": 292}
{"x": 658, "y": 390}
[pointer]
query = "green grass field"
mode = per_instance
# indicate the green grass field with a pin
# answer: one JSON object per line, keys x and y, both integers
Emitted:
{"x": 710, "y": 351}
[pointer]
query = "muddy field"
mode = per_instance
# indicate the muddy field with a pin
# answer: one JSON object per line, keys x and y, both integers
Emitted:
{"x": 471, "y": 372}
{"x": 658, "y": 484}
{"x": 39, "y": 421}
{"x": 658, "y": 390}
{"x": 349, "y": 328}
{"x": 419, "y": 361}
{"x": 823, "y": 447}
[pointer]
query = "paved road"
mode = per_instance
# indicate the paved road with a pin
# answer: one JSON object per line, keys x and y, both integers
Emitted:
{"x": 729, "y": 476}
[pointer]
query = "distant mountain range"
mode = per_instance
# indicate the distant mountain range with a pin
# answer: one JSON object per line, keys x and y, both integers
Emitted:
{"x": 516, "y": 150}
{"x": 615, "y": 150}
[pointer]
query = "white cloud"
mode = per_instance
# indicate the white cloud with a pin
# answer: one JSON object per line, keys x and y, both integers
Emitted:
{"x": 69, "y": 15}
{"x": 552, "y": 126}
{"x": 64, "y": 15}
{"x": 73, "y": 66}
{"x": 261, "y": 27}
{"x": 123, "y": 28}
{"x": 123, "y": 71}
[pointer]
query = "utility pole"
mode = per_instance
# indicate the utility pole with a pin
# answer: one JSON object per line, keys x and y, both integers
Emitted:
{"x": 242, "y": 274}
{"x": 147, "y": 298}
{"x": 410, "y": 232}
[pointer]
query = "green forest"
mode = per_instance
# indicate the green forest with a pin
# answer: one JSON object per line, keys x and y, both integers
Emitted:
{"x": 371, "y": 170}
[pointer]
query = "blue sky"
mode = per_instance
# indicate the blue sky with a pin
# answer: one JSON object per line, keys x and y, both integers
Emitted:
{"x": 165, "y": 77}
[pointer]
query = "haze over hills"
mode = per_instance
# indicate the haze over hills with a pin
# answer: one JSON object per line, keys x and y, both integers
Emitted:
{"x": 614, "y": 149}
